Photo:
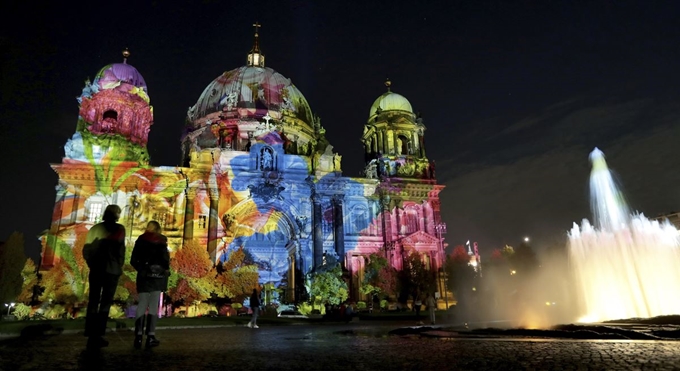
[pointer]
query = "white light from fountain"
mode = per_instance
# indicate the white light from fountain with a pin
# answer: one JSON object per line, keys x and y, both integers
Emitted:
{"x": 627, "y": 266}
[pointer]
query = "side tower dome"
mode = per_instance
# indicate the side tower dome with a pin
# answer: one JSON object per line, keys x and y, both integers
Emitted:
{"x": 114, "y": 117}
{"x": 390, "y": 101}
{"x": 393, "y": 139}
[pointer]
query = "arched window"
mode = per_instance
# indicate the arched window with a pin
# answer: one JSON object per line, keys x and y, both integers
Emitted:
{"x": 95, "y": 212}
{"x": 359, "y": 219}
{"x": 110, "y": 114}
{"x": 109, "y": 120}
{"x": 404, "y": 145}
{"x": 410, "y": 220}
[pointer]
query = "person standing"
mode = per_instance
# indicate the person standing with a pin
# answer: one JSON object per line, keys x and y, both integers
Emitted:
{"x": 255, "y": 306}
{"x": 431, "y": 306}
{"x": 104, "y": 252}
{"x": 151, "y": 260}
{"x": 417, "y": 304}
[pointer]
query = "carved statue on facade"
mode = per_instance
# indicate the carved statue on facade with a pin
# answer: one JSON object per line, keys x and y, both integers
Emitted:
{"x": 267, "y": 160}
{"x": 371, "y": 170}
{"x": 336, "y": 162}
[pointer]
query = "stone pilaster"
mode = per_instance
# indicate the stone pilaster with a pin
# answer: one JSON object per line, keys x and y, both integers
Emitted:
{"x": 189, "y": 214}
{"x": 317, "y": 221}
{"x": 339, "y": 229}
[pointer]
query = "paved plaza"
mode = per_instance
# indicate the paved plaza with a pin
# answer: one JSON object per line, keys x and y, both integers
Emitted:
{"x": 357, "y": 346}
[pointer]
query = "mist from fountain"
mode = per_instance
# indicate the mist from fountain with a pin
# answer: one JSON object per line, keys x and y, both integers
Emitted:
{"x": 626, "y": 266}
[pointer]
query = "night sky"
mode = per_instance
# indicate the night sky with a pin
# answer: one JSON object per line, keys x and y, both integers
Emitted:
{"x": 514, "y": 95}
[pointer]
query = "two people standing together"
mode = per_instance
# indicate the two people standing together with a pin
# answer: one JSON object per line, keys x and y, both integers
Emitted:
{"x": 104, "y": 252}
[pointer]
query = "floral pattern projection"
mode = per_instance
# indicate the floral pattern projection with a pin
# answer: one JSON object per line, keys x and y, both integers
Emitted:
{"x": 247, "y": 103}
{"x": 106, "y": 162}
{"x": 260, "y": 199}
{"x": 266, "y": 208}
{"x": 268, "y": 218}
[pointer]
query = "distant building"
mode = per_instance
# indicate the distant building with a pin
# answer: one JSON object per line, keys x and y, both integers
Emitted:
{"x": 673, "y": 217}
{"x": 257, "y": 172}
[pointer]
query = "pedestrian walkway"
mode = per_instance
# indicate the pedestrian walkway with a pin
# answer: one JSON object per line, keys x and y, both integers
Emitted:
{"x": 333, "y": 347}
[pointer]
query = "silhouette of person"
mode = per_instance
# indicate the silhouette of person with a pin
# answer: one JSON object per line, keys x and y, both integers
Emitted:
{"x": 417, "y": 304}
{"x": 104, "y": 252}
{"x": 151, "y": 259}
{"x": 255, "y": 306}
{"x": 431, "y": 306}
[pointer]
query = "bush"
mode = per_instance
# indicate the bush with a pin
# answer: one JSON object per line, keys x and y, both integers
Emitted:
{"x": 383, "y": 304}
{"x": 227, "y": 310}
{"x": 305, "y": 308}
{"x": 22, "y": 311}
{"x": 361, "y": 305}
{"x": 55, "y": 311}
{"x": 204, "y": 309}
{"x": 116, "y": 312}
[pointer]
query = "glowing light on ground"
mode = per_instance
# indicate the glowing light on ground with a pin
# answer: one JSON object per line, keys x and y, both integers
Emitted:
{"x": 626, "y": 266}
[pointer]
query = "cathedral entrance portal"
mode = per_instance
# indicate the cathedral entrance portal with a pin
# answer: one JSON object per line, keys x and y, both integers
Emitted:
{"x": 268, "y": 238}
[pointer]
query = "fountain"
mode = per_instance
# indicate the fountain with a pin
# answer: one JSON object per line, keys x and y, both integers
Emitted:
{"x": 625, "y": 266}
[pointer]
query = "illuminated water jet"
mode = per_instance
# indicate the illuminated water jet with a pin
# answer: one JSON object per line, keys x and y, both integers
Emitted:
{"x": 626, "y": 266}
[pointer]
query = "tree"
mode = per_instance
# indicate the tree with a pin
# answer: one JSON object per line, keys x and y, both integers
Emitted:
{"x": 12, "y": 260}
{"x": 416, "y": 278}
{"x": 459, "y": 272}
{"x": 192, "y": 260}
{"x": 30, "y": 280}
{"x": 380, "y": 278}
{"x": 192, "y": 265}
{"x": 235, "y": 278}
{"x": 328, "y": 286}
{"x": 66, "y": 282}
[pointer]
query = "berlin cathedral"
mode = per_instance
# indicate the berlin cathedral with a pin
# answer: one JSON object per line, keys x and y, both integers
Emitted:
{"x": 257, "y": 173}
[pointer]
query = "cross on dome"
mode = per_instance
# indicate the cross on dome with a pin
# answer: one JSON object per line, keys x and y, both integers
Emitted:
{"x": 266, "y": 119}
{"x": 255, "y": 57}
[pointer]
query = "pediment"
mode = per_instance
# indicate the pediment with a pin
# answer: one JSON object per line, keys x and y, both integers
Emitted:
{"x": 419, "y": 237}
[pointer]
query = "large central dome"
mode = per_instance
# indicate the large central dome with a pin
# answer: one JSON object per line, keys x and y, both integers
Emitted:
{"x": 252, "y": 104}
{"x": 251, "y": 92}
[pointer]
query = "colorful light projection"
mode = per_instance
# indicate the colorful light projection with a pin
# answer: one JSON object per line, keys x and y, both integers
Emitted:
{"x": 260, "y": 179}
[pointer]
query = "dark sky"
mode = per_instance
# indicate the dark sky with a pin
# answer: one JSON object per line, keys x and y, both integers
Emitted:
{"x": 514, "y": 94}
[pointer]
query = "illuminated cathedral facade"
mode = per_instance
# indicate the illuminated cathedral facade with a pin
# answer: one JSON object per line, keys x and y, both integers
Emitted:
{"x": 258, "y": 172}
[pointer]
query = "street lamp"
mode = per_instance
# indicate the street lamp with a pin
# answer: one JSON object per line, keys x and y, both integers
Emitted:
{"x": 526, "y": 239}
{"x": 9, "y": 307}
{"x": 440, "y": 228}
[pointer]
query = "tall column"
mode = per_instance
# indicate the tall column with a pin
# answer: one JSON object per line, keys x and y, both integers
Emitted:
{"x": 394, "y": 142}
{"x": 76, "y": 206}
{"x": 384, "y": 211}
{"x": 381, "y": 142}
{"x": 339, "y": 229}
{"x": 318, "y": 232}
{"x": 189, "y": 214}
{"x": 58, "y": 213}
{"x": 398, "y": 218}
{"x": 415, "y": 145}
{"x": 213, "y": 221}
{"x": 179, "y": 207}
